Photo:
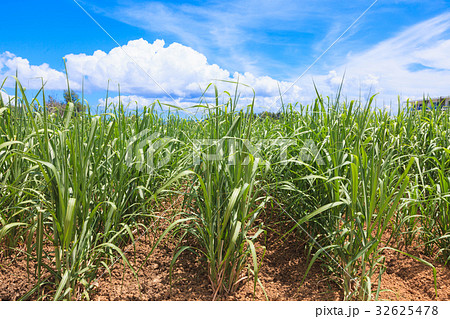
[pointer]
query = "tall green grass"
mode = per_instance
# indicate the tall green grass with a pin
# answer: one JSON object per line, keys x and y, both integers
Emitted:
{"x": 356, "y": 180}
{"x": 66, "y": 182}
{"x": 375, "y": 172}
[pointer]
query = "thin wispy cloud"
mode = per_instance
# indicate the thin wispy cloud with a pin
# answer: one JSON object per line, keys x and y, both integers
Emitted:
{"x": 388, "y": 68}
{"x": 230, "y": 31}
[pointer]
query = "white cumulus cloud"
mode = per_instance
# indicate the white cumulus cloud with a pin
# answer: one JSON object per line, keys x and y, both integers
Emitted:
{"x": 147, "y": 70}
{"x": 33, "y": 75}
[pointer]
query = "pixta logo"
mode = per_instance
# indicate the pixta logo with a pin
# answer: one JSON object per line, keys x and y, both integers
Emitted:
{"x": 148, "y": 151}
{"x": 220, "y": 149}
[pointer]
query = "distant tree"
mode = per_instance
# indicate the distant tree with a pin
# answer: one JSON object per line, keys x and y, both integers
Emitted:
{"x": 75, "y": 99}
{"x": 72, "y": 97}
{"x": 271, "y": 115}
{"x": 55, "y": 106}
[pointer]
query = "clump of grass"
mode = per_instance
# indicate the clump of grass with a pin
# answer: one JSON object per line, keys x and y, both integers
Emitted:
{"x": 67, "y": 181}
{"x": 370, "y": 163}
{"x": 225, "y": 202}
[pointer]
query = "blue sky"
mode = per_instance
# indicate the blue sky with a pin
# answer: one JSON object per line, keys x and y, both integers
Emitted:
{"x": 177, "y": 47}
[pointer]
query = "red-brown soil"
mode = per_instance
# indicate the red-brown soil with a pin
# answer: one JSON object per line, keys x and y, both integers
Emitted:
{"x": 409, "y": 280}
{"x": 281, "y": 273}
{"x": 283, "y": 267}
{"x": 14, "y": 278}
